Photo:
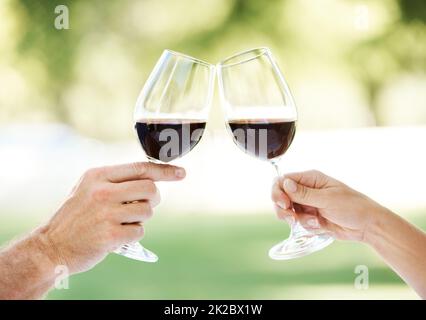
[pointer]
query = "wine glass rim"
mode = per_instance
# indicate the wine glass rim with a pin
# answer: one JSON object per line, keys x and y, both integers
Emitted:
{"x": 182, "y": 55}
{"x": 261, "y": 51}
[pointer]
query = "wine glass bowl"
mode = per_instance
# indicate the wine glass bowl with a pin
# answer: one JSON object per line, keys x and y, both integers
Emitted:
{"x": 261, "y": 117}
{"x": 170, "y": 116}
{"x": 171, "y": 111}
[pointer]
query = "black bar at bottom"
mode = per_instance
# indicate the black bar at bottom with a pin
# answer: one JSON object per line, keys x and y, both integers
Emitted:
{"x": 209, "y": 309}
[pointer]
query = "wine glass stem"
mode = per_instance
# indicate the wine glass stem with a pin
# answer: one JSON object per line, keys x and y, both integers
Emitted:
{"x": 294, "y": 226}
{"x": 277, "y": 167}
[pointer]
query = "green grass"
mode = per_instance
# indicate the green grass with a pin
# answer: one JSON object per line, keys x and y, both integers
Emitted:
{"x": 225, "y": 257}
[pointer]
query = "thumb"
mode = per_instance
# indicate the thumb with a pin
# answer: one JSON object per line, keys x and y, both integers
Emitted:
{"x": 303, "y": 195}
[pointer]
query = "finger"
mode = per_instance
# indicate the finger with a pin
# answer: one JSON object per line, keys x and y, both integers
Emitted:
{"x": 279, "y": 197}
{"x": 309, "y": 221}
{"x": 137, "y": 190}
{"x": 285, "y": 214}
{"x": 299, "y": 208}
{"x": 133, "y": 213}
{"x": 128, "y": 233}
{"x": 303, "y": 194}
{"x": 144, "y": 170}
{"x": 312, "y": 178}
{"x": 314, "y": 223}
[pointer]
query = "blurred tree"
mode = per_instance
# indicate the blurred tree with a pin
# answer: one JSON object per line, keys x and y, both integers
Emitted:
{"x": 242, "y": 14}
{"x": 412, "y": 10}
{"x": 53, "y": 48}
{"x": 400, "y": 48}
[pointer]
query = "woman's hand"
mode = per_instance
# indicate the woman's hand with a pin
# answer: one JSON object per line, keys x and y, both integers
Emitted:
{"x": 321, "y": 202}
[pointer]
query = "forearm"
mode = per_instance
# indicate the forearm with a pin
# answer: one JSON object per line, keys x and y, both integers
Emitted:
{"x": 26, "y": 268}
{"x": 402, "y": 246}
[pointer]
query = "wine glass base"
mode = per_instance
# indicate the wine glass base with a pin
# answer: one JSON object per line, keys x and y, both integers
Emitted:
{"x": 299, "y": 246}
{"x": 136, "y": 252}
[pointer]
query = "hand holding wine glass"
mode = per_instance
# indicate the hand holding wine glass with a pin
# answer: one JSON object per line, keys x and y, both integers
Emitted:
{"x": 261, "y": 117}
{"x": 106, "y": 208}
{"x": 320, "y": 202}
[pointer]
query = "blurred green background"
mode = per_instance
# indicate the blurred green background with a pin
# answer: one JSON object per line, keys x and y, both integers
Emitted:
{"x": 350, "y": 64}
{"x": 209, "y": 258}
{"x": 368, "y": 55}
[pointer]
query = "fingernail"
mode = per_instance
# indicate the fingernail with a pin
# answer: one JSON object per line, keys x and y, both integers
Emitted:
{"x": 313, "y": 223}
{"x": 281, "y": 204}
{"x": 180, "y": 173}
{"x": 290, "y": 185}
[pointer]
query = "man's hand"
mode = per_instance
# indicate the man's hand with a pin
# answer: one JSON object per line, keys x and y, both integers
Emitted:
{"x": 106, "y": 209}
{"x": 319, "y": 201}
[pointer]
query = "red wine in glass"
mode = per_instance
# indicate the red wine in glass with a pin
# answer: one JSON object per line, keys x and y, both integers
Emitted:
{"x": 168, "y": 139}
{"x": 263, "y": 138}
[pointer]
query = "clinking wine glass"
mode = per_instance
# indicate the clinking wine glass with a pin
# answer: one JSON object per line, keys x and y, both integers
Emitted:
{"x": 170, "y": 115}
{"x": 261, "y": 117}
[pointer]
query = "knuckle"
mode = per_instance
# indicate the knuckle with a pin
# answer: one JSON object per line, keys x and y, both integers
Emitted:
{"x": 155, "y": 201}
{"x": 136, "y": 233}
{"x": 314, "y": 173}
{"x": 147, "y": 211}
{"x": 274, "y": 195}
{"x": 101, "y": 193}
{"x": 303, "y": 192}
{"x": 150, "y": 187}
{"x": 89, "y": 172}
{"x": 340, "y": 193}
{"x": 321, "y": 179}
{"x": 108, "y": 215}
{"x": 93, "y": 173}
{"x": 140, "y": 168}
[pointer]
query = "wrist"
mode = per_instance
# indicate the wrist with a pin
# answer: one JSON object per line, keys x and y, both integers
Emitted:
{"x": 45, "y": 252}
{"x": 27, "y": 267}
{"x": 375, "y": 230}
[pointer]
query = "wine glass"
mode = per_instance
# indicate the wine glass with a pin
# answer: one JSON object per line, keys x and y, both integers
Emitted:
{"x": 170, "y": 115}
{"x": 261, "y": 117}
